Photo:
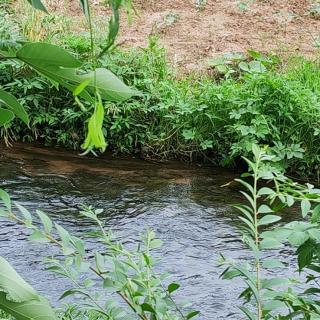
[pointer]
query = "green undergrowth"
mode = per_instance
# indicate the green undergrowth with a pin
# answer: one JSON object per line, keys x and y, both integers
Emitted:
{"x": 190, "y": 118}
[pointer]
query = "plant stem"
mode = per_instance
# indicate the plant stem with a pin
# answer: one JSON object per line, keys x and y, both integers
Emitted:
{"x": 256, "y": 213}
{"x": 56, "y": 242}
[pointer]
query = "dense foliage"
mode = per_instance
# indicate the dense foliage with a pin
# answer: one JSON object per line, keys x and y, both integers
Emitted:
{"x": 202, "y": 118}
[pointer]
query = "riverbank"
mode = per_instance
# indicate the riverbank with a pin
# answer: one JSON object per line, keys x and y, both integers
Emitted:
{"x": 213, "y": 117}
{"x": 192, "y": 119}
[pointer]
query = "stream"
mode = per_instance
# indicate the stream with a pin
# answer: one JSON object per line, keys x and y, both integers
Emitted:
{"x": 186, "y": 206}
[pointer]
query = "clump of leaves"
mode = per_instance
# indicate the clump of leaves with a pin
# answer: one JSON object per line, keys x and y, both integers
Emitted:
{"x": 268, "y": 296}
{"x": 130, "y": 288}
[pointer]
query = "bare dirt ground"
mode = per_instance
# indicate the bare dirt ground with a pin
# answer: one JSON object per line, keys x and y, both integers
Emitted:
{"x": 282, "y": 26}
{"x": 191, "y": 36}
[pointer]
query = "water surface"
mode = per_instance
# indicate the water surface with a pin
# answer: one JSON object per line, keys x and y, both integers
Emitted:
{"x": 186, "y": 206}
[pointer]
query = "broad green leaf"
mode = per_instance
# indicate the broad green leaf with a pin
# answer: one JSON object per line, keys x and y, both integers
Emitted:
{"x": 60, "y": 66}
{"x": 14, "y": 287}
{"x": 305, "y": 255}
{"x": 155, "y": 244}
{"x": 315, "y": 214}
{"x": 273, "y": 305}
{"x": 44, "y": 55}
{"x": 5, "y": 116}
{"x": 14, "y": 106}
{"x": 265, "y": 191}
{"x": 268, "y": 243}
{"x": 28, "y": 310}
{"x": 273, "y": 282}
{"x": 272, "y": 263}
{"x": 37, "y": 4}
{"x": 173, "y": 287}
{"x": 298, "y": 238}
{"x": 305, "y": 207}
{"x": 108, "y": 85}
{"x": 268, "y": 219}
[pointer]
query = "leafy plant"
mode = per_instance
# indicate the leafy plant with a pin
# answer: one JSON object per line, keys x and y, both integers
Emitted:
{"x": 128, "y": 274}
{"x": 62, "y": 68}
{"x": 271, "y": 297}
{"x": 19, "y": 299}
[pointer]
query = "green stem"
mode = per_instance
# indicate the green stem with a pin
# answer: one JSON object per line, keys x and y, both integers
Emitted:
{"x": 15, "y": 218}
{"x": 256, "y": 221}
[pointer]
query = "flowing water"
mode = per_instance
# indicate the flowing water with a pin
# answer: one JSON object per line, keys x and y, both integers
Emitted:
{"x": 186, "y": 207}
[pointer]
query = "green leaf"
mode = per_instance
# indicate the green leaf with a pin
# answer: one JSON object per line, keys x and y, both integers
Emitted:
{"x": 315, "y": 214}
{"x": 298, "y": 238}
{"x": 42, "y": 55}
{"x": 15, "y": 288}
{"x": 305, "y": 254}
{"x": 265, "y": 191}
{"x": 173, "y": 287}
{"x": 38, "y": 236}
{"x": 28, "y": 310}
{"x": 147, "y": 307}
{"x": 192, "y": 314}
{"x": 85, "y": 7}
{"x": 273, "y": 305}
{"x": 19, "y": 299}
{"x": 272, "y": 263}
{"x": 155, "y": 244}
{"x": 273, "y": 282}
{"x": 5, "y": 116}
{"x": 46, "y": 221}
{"x": 64, "y": 235}
{"x": 4, "y": 196}
{"x": 305, "y": 207}
{"x": 248, "y": 313}
{"x": 78, "y": 90}
{"x": 60, "y": 66}
{"x": 71, "y": 292}
{"x": 37, "y": 4}
{"x": 268, "y": 219}
{"x": 269, "y": 243}
{"x": 264, "y": 209}
{"x": 26, "y": 214}
{"x": 312, "y": 291}
{"x": 14, "y": 106}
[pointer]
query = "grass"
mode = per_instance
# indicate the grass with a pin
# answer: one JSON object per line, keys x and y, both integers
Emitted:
{"x": 191, "y": 118}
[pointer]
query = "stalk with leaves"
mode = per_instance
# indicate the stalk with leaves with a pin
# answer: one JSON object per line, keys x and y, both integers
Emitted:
{"x": 267, "y": 191}
{"x": 129, "y": 274}
{"x": 61, "y": 68}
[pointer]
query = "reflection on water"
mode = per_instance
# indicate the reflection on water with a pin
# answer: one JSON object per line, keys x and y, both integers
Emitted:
{"x": 185, "y": 206}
